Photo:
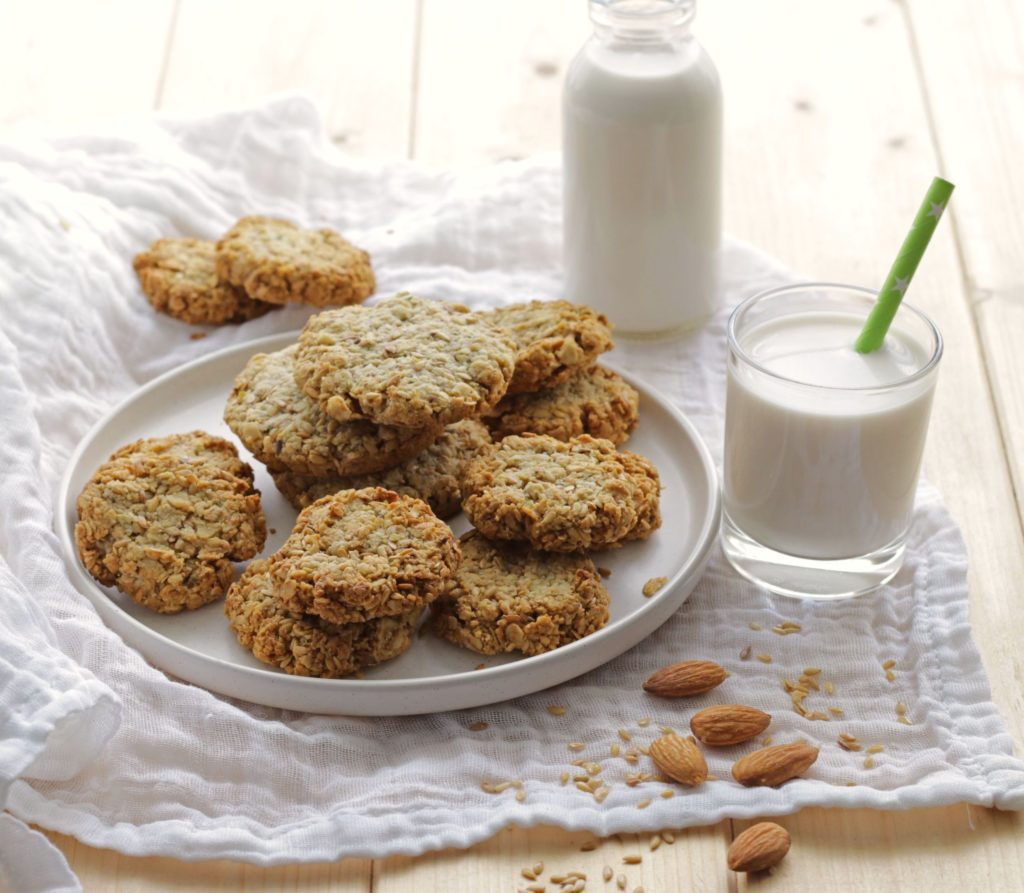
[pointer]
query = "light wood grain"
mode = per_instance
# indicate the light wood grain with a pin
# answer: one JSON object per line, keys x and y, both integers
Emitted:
{"x": 695, "y": 862}
{"x": 829, "y": 148}
{"x": 68, "y": 64}
{"x": 490, "y": 78}
{"x": 972, "y": 58}
{"x": 958, "y": 849}
{"x": 354, "y": 58}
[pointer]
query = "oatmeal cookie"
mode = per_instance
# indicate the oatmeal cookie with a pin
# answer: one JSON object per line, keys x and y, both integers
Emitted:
{"x": 361, "y": 554}
{"x": 553, "y": 339}
{"x": 163, "y": 519}
{"x": 432, "y": 476}
{"x": 179, "y": 278}
{"x": 510, "y": 598}
{"x": 561, "y": 496}
{"x": 277, "y": 261}
{"x": 592, "y": 401}
{"x": 288, "y": 432}
{"x": 304, "y": 645}
{"x": 404, "y": 361}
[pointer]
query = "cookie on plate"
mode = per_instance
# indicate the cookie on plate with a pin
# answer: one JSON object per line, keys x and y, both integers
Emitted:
{"x": 179, "y": 278}
{"x": 404, "y": 361}
{"x": 553, "y": 339}
{"x": 511, "y": 598}
{"x": 288, "y": 432}
{"x": 277, "y": 261}
{"x": 361, "y": 554}
{"x": 164, "y": 518}
{"x": 432, "y": 475}
{"x": 592, "y": 401}
{"x": 304, "y": 645}
{"x": 561, "y": 496}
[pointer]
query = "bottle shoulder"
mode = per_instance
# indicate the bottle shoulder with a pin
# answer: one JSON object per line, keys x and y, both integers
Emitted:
{"x": 680, "y": 75}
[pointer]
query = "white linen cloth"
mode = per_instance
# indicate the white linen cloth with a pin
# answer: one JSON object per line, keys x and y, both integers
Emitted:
{"x": 100, "y": 745}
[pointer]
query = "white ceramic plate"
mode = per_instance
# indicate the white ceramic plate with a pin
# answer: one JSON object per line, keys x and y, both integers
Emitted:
{"x": 199, "y": 646}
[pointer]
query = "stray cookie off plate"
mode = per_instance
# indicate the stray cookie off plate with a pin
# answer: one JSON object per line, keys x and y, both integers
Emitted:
{"x": 432, "y": 674}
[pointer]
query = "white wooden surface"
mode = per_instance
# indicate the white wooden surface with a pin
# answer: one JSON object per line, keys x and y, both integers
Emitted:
{"x": 837, "y": 115}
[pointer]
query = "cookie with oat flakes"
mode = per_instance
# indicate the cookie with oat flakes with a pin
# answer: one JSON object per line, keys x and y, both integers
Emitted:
{"x": 554, "y": 339}
{"x": 361, "y": 554}
{"x": 561, "y": 496}
{"x": 304, "y": 645}
{"x": 405, "y": 361}
{"x": 179, "y": 278}
{"x": 276, "y": 261}
{"x": 164, "y": 518}
{"x": 511, "y": 598}
{"x": 290, "y": 434}
{"x": 432, "y": 475}
{"x": 592, "y": 401}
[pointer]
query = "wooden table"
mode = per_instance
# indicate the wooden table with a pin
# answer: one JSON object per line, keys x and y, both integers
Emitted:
{"x": 837, "y": 116}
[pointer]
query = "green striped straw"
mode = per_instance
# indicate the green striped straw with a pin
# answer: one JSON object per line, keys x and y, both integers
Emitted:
{"x": 903, "y": 268}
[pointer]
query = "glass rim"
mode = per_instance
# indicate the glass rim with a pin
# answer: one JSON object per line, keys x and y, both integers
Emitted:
{"x": 917, "y": 375}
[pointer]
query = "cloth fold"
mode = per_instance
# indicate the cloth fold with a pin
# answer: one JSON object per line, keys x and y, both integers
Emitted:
{"x": 100, "y": 745}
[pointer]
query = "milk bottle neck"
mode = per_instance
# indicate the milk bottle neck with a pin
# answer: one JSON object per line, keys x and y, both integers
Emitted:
{"x": 642, "y": 22}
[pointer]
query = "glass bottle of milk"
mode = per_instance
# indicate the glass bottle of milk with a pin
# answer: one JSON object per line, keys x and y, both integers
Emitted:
{"x": 642, "y": 151}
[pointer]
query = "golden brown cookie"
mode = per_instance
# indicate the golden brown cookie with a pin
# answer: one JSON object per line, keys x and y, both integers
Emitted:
{"x": 288, "y": 432}
{"x": 361, "y": 554}
{"x": 277, "y": 261}
{"x": 432, "y": 475}
{"x": 511, "y": 598}
{"x": 163, "y": 519}
{"x": 179, "y": 278}
{"x": 592, "y": 401}
{"x": 561, "y": 496}
{"x": 304, "y": 645}
{"x": 404, "y": 361}
{"x": 554, "y": 339}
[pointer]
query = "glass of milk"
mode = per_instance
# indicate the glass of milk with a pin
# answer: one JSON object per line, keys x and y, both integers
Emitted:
{"x": 823, "y": 445}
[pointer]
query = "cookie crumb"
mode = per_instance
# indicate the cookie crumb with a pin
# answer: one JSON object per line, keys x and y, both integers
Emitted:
{"x": 197, "y": 336}
{"x": 653, "y": 585}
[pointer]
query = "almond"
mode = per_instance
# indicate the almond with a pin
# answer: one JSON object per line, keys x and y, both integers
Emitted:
{"x": 686, "y": 679}
{"x": 727, "y": 724}
{"x": 759, "y": 847}
{"x": 680, "y": 759}
{"x": 773, "y": 765}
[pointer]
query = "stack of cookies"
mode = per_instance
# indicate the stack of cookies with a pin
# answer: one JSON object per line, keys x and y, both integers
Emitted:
{"x": 260, "y": 263}
{"x": 347, "y": 588}
{"x": 400, "y": 398}
{"x": 558, "y": 388}
{"x": 388, "y": 396}
{"x": 164, "y": 519}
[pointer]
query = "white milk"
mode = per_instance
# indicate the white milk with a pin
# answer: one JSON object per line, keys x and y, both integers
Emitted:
{"x": 817, "y": 473}
{"x": 642, "y": 148}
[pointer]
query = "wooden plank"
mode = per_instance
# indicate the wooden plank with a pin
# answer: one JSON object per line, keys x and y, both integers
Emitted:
{"x": 104, "y": 871}
{"x": 490, "y": 78}
{"x": 696, "y": 861}
{"x": 972, "y": 58}
{"x": 961, "y": 849}
{"x": 68, "y": 64}
{"x": 355, "y": 59}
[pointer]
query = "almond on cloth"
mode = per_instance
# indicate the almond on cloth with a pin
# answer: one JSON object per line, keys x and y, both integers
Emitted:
{"x": 680, "y": 759}
{"x": 759, "y": 847}
{"x": 685, "y": 679}
{"x": 726, "y": 724}
{"x": 772, "y": 766}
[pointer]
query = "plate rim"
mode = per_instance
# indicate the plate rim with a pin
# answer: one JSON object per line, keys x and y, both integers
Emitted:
{"x": 694, "y": 564}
